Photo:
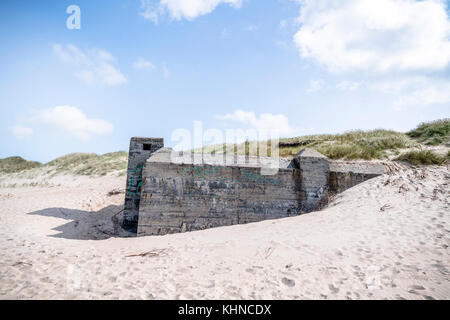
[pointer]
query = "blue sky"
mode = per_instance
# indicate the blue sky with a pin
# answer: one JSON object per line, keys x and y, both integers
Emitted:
{"x": 147, "y": 68}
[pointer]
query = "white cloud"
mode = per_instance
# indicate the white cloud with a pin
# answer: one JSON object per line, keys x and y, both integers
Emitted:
{"x": 71, "y": 54}
{"x": 380, "y": 36}
{"x": 110, "y": 75}
{"x": 426, "y": 93}
{"x": 348, "y": 85}
{"x": 21, "y": 132}
{"x": 94, "y": 66}
{"x": 315, "y": 85}
{"x": 73, "y": 121}
{"x": 182, "y": 9}
{"x": 141, "y": 63}
{"x": 151, "y": 10}
{"x": 265, "y": 122}
{"x": 414, "y": 90}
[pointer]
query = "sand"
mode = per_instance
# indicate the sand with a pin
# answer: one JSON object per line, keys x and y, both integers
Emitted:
{"x": 387, "y": 238}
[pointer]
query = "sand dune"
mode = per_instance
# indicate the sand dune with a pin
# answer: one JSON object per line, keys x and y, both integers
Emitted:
{"x": 387, "y": 238}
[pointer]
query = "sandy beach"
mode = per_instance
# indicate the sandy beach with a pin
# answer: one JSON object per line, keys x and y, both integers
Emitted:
{"x": 387, "y": 238}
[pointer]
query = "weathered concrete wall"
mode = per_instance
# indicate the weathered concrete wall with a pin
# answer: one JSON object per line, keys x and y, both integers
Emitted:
{"x": 180, "y": 197}
{"x": 197, "y": 191}
{"x": 140, "y": 150}
{"x": 314, "y": 170}
{"x": 344, "y": 175}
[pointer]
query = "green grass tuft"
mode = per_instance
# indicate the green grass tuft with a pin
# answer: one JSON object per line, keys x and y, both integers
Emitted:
{"x": 432, "y": 133}
{"x": 425, "y": 157}
{"x": 17, "y": 164}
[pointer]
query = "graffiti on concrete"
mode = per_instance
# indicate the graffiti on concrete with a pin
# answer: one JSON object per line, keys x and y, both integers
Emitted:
{"x": 207, "y": 172}
{"x": 135, "y": 181}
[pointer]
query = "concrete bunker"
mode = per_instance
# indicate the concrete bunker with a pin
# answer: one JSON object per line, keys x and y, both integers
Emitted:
{"x": 169, "y": 192}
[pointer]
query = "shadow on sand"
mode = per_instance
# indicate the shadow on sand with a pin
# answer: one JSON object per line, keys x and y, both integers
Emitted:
{"x": 87, "y": 225}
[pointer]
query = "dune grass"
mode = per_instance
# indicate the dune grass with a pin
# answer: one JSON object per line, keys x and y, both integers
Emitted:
{"x": 351, "y": 145}
{"x": 89, "y": 163}
{"x": 432, "y": 133}
{"x": 76, "y": 163}
{"x": 17, "y": 164}
{"x": 424, "y": 157}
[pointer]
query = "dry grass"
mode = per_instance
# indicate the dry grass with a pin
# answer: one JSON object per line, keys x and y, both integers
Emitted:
{"x": 351, "y": 145}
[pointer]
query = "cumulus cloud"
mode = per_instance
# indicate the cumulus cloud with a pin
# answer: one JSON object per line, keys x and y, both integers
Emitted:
{"x": 315, "y": 85}
{"x": 93, "y": 66}
{"x": 142, "y": 63}
{"x": 379, "y": 36}
{"x": 73, "y": 121}
{"x": 21, "y": 132}
{"x": 265, "y": 122}
{"x": 182, "y": 9}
